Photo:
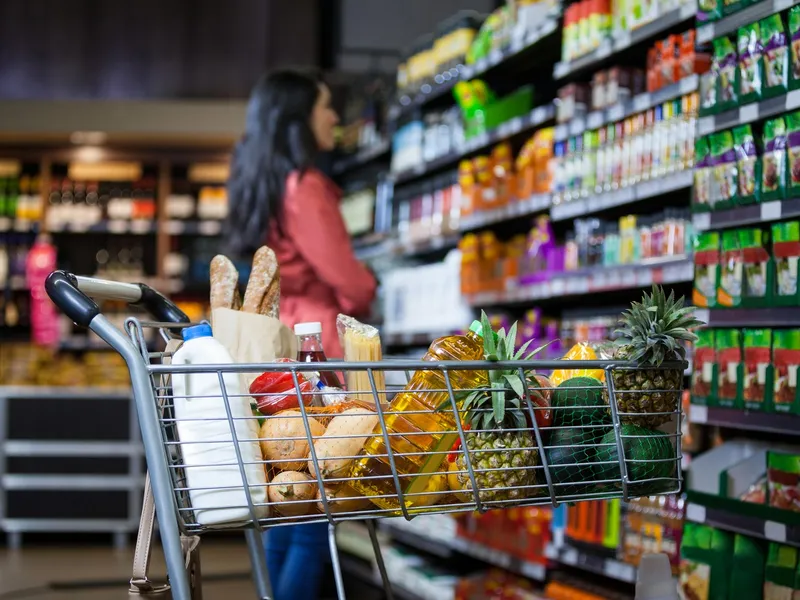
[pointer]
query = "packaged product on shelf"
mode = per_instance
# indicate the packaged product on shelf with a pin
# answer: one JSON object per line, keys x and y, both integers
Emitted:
{"x": 486, "y": 197}
{"x": 757, "y": 283}
{"x": 469, "y": 188}
{"x": 729, "y": 367}
{"x": 747, "y": 164}
{"x": 786, "y": 361}
{"x": 773, "y": 163}
{"x": 709, "y": 10}
{"x": 747, "y": 566}
{"x": 793, "y": 143}
{"x": 785, "y": 255}
{"x": 470, "y": 258}
{"x": 794, "y": 45}
{"x": 705, "y": 562}
{"x": 708, "y": 90}
{"x": 691, "y": 62}
{"x": 724, "y": 175}
{"x": 705, "y": 359}
{"x": 783, "y": 480}
{"x": 729, "y": 292}
{"x": 702, "y": 200}
{"x": 757, "y": 386}
{"x": 750, "y": 56}
{"x": 725, "y": 61}
{"x": 503, "y": 178}
{"x": 574, "y": 101}
{"x": 780, "y": 572}
{"x": 706, "y": 269}
{"x": 776, "y": 56}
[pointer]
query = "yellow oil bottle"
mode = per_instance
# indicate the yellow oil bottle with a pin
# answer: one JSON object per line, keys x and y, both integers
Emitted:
{"x": 420, "y": 435}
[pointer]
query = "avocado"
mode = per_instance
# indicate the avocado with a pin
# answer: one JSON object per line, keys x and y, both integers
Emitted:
{"x": 645, "y": 445}
{"x": 580, "y": 401}
{"x": 570, "y": 452}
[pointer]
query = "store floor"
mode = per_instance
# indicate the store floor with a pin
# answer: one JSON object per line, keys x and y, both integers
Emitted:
{"x": 36, "y": 566}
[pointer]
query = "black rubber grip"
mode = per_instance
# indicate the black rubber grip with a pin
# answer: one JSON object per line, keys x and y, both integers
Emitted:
{"x": 62, "y": 287}
{"x": 162, "y": 308}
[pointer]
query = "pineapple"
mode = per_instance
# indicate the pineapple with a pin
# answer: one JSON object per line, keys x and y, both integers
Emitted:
{"x": 502, "y": 455}
{"x": 651, "y": 332}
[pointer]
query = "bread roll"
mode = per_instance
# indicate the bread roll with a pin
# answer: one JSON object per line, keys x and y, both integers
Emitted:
{"x": 224, "y": 283}
{"x": 264, "y": 273}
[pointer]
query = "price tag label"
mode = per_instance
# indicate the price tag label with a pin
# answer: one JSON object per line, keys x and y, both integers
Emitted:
{"x": 515, "y": 125}
{"x": 701, "y": 221}
{"x": 623, "y": 40}
{"x": 561, "y": 132}
{"x": 642, "y": 102}
{"x": 629, "y": 278}
{"x": 209, "y": 227}
{"x": 140, "y": 226}
{"x": 698, "y": 413}
{"x": 646, "y": 277}
{"x": 5, "y": 223}
{"x": 117, "y": 226}
{"x": 780, "y": 5}
{"x": 705, "y": 33}
{"x": 695, "y": 513}
{"x": 569, "y": 556}
{"x": 495, "y": 57}
{"x": 771, "y": 211}
{"x": 551, "y": 552}
{"x": 705, "y": 125}
{"x": 793, "y": 100}
{"x": 175, "y": 227}
{"x": 748, "y": 113}
{"x": 538, "y": 115}
{"x": 594, "y": 119}
{"x": 577, "y": 126}
{"x": 616, "y": 112}
{"x": 689, "y": 84}
{"x": 556, "y": 287}
{"x": 481, "y": 65}
{"x": 775, "y": 532}
{"x": 561, "y": 69}
{"x": 516, "y": 45}
{"x": 22, "y": 225}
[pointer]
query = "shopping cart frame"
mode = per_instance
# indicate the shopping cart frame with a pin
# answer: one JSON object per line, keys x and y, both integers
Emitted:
{"x": 72, "y": 295}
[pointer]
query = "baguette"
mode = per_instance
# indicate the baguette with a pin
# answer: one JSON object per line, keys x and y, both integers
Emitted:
{"x": 270, "y": 305}
{"x": 263, "y": 276}
{"x": 224, "y": 283}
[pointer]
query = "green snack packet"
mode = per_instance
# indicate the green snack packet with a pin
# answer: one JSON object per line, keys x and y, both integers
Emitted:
{"x": 729, "y": 368}
{"x": 748, "y": 166}
{"x": 757, "y": 386}
{"x": 723, "y": 171}
{"x": 793, "y": 152}
{"x": 783, "y": 480}
{"x": 786, "y": 362}
{"x": 776, "y": 56}
{"x": 701, "y": 191}
{"x": 729, "y": 293}
{"x": 750, "y": 55}
{"x": 702, "y": 385}
{"x": 725, "y": 61}
{"x": 757, "y": 281}
{"x": 708, "y": 10}
{"x": 794, "y": 46}
{"x": 785, "y": 255}
{"x": 706, "y": 269}
{"x": 747, "y": 568}
{"x": 773, "y": 162}
{"x": 779, "y": 571}
{"x": 708, "y": 91}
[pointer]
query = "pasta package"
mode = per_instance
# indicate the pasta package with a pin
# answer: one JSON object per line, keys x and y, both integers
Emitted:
{"x": 361, "y": 343}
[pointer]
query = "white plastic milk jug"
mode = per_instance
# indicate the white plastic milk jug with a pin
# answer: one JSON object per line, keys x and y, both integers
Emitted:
{"x": 215, "y": 483}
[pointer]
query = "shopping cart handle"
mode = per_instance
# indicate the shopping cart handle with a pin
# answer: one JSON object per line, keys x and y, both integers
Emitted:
{"x": 72, "y": 295}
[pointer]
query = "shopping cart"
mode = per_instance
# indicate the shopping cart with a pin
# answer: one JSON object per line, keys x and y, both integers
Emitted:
{"x": 591, "y": 447}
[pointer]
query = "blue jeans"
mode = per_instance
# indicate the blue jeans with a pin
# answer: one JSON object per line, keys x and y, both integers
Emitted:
{"x": 297, "y": 556}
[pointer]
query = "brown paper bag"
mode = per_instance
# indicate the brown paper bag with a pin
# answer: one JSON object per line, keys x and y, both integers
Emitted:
{"x": 252, "y": 338}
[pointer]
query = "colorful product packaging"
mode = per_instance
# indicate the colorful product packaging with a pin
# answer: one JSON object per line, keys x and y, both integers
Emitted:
{"x": 726, "y": 61}
{"x": 750, "y": 63}
{"x": 758, "y": 268}
{"x": 793, "y": 149}
{"x": 729, "y": 291}
{"x": 702, "y": 200}
{"x": 706, "y": 555}
{"x": 706, "y": 269}
{"x": 773, "y": 162}
{"x": 705, "y": 359}
{"x": 748, "y": 166}
{"x": 776, "y": 56}
{"x": 783, "y": 480}
{"x": 729, "y": 368}
{"x": 757, "y": 386}
{"x": 785, "y": 255}
{"x": 794, "y": 46}
{"x": 747, "y": 567}
{"x": 779, "y": 572}
{"x": 724, "y": 180}
{"x": 708, "y": 90}
{"x": 786, "y": 361}
{"x": 709, "y": 10}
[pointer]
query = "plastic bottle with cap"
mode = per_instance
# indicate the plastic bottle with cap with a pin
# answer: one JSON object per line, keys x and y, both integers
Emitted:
{"x": 205, "y": 435}
{"x": 654, "y": 580}
{"x": 309, "y": 349}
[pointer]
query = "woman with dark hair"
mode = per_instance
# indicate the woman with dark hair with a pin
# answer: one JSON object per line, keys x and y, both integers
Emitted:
{"x": 277, "y": 197}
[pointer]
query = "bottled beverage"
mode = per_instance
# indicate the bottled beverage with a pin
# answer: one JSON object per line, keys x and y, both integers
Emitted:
{"x": 414, "y": 411}
{"x": 309, "y": 349}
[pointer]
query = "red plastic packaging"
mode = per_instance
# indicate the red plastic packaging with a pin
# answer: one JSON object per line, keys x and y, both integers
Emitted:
{"x": 275, "y": 391}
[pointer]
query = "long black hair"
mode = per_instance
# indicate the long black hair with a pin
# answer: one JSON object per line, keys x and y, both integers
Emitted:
{"x": 277, "y": 140}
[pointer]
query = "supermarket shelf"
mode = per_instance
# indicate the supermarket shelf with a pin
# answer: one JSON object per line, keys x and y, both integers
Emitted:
{"x": 747, "y": 420}
{"x": 18, "y": 225}
{"x": 594, "y": 563}
{"x": 206, "y": 227}
{"x": 434, "y": 244}
{"x": 749, "y": 113}
{"x": 747, "y": 215}
{"x": 71, "y": 482}
{"x": 41, "y": 392}
{"x": 521, "y": 208}
{"x": 67, "y": 448}
{"x": 621, "y": 197}
{"x": 361, "y": 158}
{"x": 17, "y": 282}
{"x": 445, "y": 82}
{"x": 412, "y": 339}
{"x": 362, "y": 571}
{"x": 114, "y": 226}
{"x": 535, "y": 118}
{"x": 609, "y": 47}
{"x": 639, "y": 103}
{"x": 591, "y": 281}
{"x": 746, "y": 524}
{"x": 728, "y": 25}
{"x": 778, "y": 316}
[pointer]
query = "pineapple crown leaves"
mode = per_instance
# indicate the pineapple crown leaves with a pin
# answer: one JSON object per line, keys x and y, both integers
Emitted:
{"x": 652, "y": 330}
{"x": 506, "y": 386}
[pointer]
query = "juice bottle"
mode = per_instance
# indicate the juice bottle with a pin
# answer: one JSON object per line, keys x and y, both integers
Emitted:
{"x": 414, "y": 411}
{"x": 309, "y": 349}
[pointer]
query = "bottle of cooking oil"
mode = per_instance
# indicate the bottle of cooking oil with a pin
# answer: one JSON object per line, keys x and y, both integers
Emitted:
{"x": 419, "y": 434}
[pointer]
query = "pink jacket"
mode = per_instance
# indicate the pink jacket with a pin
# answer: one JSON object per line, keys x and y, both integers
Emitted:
{"x": 320, "y": 275}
